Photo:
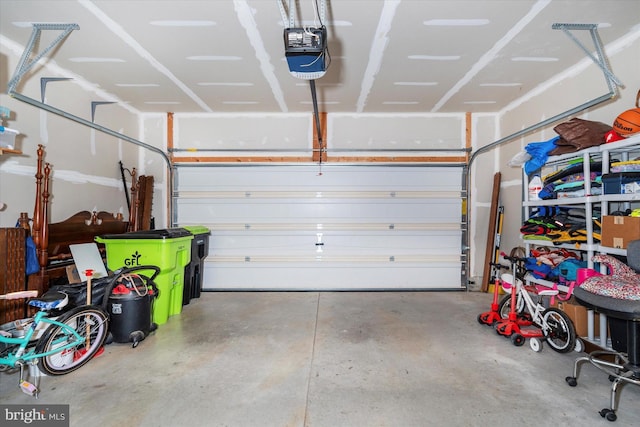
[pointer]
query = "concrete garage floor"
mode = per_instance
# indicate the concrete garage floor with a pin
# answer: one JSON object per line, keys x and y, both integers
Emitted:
{"x": 330, "y": 359}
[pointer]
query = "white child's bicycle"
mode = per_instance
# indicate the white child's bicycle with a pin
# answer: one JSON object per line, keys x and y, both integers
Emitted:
{"x": 522, "y": 317}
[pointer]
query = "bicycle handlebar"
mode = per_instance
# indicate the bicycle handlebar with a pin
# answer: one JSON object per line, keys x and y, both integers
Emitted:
{"x": 20, "y": 294}
{"x": 513, "y": 258}
{"x": 499, "y": 265}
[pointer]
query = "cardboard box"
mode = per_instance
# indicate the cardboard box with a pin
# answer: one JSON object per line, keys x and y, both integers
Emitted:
{"x": 618, "y": 231}
{"x": 578, "y": 315}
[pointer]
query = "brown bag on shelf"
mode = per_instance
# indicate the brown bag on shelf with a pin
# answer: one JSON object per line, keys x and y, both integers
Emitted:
{"x": 577, "y": 134}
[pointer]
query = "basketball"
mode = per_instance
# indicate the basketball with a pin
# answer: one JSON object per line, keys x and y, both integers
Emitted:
{"x": 628, "y": 122}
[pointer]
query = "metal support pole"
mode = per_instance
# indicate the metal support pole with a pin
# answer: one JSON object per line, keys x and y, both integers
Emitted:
{"x": 316, "y": 114}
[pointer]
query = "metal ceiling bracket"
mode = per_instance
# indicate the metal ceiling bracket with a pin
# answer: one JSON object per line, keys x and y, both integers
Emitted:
{"x": 291, "y": 18}
{"x": 24, "y": 65}
{"x": 600, "y": 60}
{"x": 283, "y": 11}
{"x": 45, "y": 80}
{"x": 94, "y": 104}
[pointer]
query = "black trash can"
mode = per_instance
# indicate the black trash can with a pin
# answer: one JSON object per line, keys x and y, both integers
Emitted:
{"x": 193, "y": 271}
{"x": 130, "y": 305}
{"x": 130, "y": 314}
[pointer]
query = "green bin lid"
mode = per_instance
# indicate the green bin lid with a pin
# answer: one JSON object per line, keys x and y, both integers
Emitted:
{"x": 197, "y": 229}
{"x": 165, "y": 233}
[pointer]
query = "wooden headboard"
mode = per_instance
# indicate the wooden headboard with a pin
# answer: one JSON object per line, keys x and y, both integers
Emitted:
{"x": 80, "y": 228}
{"x": 52, "y": 240}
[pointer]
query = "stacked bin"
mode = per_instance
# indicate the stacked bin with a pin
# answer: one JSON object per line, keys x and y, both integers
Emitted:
{"x": 193, "y": 273}
{"x": 168, "y": 249}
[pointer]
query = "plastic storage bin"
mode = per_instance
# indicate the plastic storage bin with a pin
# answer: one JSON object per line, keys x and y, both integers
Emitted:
{"x": 193, "y": 273}
{"x": 8, "y": 137}
{"x": 168, "y": 249}
{"x": 621, "y": 183}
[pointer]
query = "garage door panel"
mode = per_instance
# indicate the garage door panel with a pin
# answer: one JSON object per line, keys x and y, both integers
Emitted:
{"x": 305, "y": 178}
{"x": 249, "y": 211}
{"x": 353, "y": 227}
{"x": 319, "y": 276}
{"x": 284, "y": 243}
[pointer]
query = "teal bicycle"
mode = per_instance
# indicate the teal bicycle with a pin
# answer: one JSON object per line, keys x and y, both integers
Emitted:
{"x": 57, "y": 342}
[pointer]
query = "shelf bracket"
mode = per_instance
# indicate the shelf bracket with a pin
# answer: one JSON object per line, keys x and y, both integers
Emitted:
{"x": 600, "y": 60}
{"x": 24, "y": 65}
{"x": 95, "y": 104}
{"x": 43, "y": 85}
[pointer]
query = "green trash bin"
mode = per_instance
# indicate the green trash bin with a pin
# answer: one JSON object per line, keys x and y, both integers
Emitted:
{"x": 193, "y": 272}
{"x": 168, "y": 249}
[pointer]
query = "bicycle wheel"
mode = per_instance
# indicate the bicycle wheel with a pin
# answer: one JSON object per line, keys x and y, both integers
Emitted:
{"x": 504, "y": 308}
{"x": 558, "y": 330}
{"x": 90, "y": 322}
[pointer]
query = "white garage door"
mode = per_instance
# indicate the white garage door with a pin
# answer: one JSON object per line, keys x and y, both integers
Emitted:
{"x": 351, "y": 227}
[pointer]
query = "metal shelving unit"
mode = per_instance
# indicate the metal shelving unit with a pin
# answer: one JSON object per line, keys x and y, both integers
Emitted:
{"x": 624, "y": 150}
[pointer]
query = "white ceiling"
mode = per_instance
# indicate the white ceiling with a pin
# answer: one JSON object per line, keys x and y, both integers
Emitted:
{"x": 386, "y": 56}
